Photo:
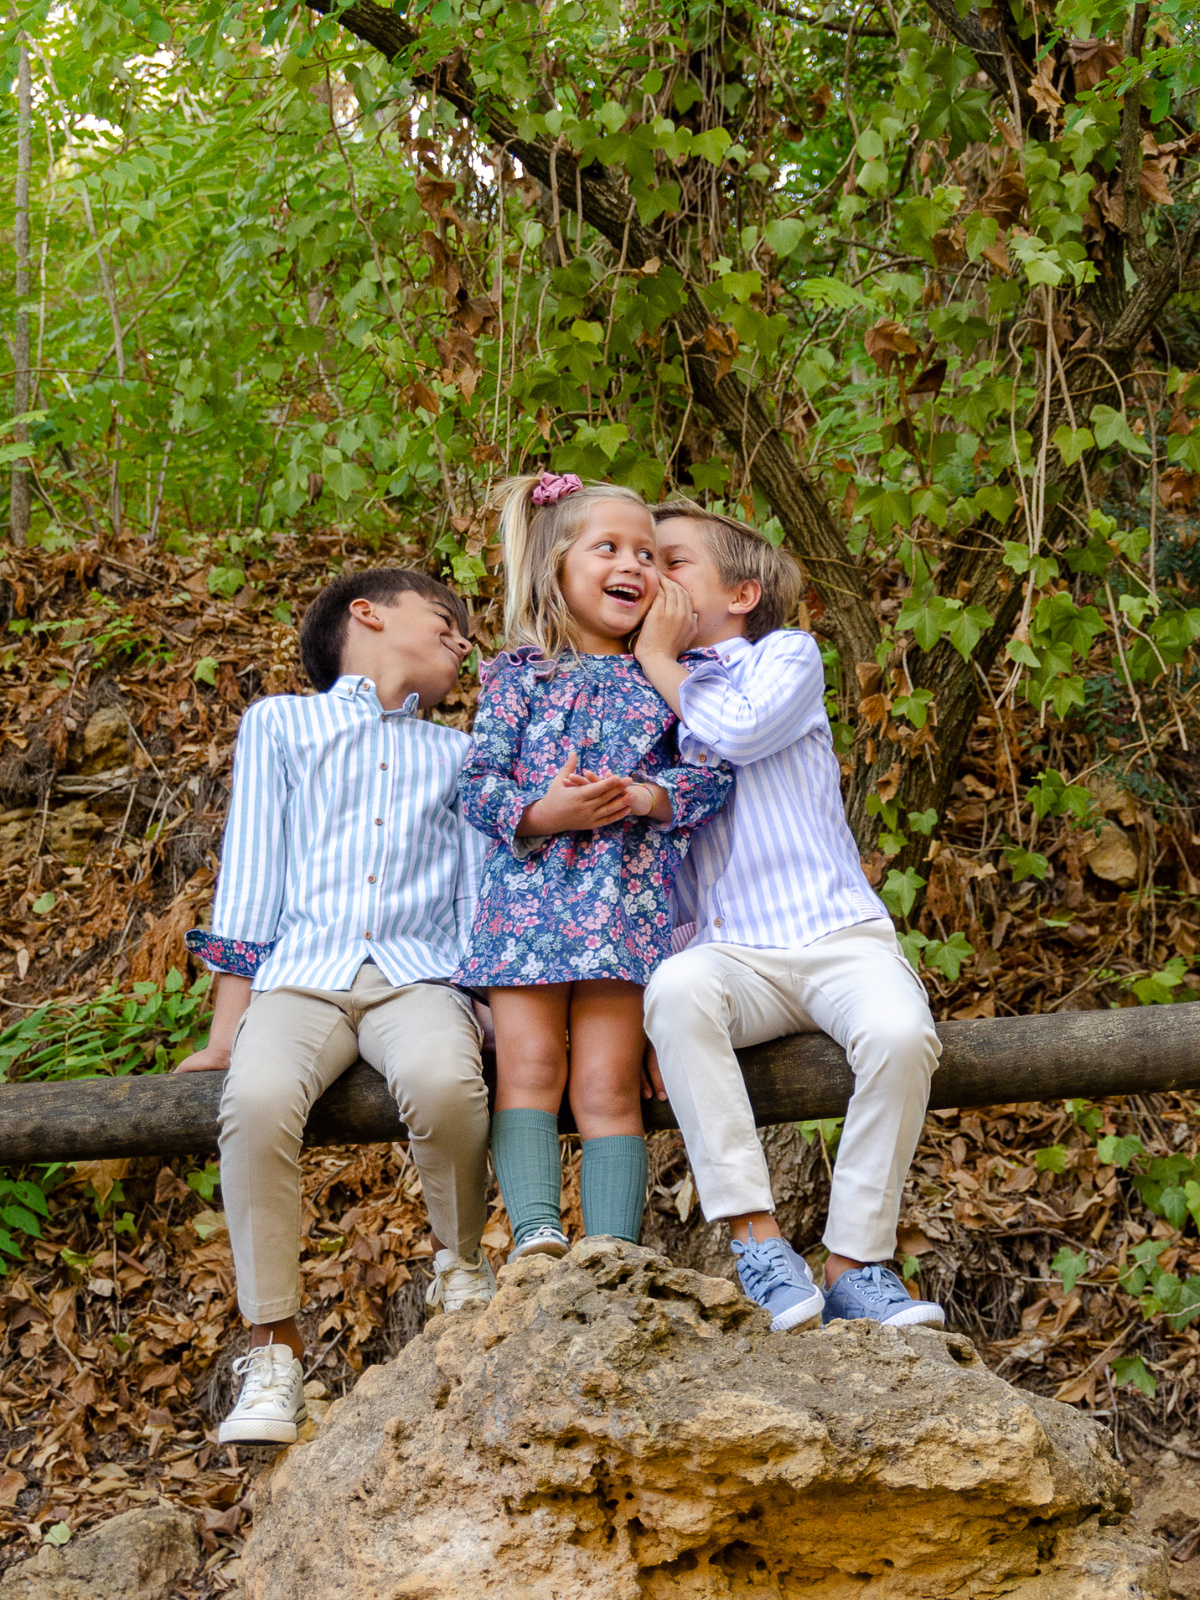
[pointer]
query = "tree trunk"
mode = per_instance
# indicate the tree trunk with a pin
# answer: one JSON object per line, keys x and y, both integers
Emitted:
{"x": 20, "y": 495}
{"x": 1139, "y": 1050}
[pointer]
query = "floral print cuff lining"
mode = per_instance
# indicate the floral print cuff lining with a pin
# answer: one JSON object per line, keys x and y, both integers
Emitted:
{"x": 239, "y": 957}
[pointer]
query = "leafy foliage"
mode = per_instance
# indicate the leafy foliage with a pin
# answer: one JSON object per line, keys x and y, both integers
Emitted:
{"x": 109, "y": 1035}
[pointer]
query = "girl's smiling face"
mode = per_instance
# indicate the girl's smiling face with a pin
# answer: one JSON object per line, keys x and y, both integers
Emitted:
{"x": 609, "y": 578}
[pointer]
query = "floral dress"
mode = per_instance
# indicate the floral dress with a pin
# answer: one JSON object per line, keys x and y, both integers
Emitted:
{"x": 586, "y": 904}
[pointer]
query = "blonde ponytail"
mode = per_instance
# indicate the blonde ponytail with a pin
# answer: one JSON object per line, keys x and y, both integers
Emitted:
{"x": 536, "y": 539}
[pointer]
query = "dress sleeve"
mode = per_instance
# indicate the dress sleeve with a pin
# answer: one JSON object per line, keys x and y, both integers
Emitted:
{"x": 250, "y": 883}
{"x": 697, "y": 793}
{"x": 780, "y": 699}
{"x": 493, "y": 801}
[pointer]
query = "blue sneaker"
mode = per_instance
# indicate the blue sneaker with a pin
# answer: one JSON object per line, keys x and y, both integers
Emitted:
{"x": 877, "y": 1294}
{"x": 774, "y": 1276}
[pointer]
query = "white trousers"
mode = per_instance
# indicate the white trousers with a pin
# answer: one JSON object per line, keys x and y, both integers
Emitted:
{"x": 291, "y": 1044}
{"x": 854, "y": 985}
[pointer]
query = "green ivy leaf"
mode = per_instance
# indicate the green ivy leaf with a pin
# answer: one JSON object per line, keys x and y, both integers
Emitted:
{"x": 712, "y": 145}
{"x": 226, "y": 581}
{"x": 830, "y": 292}
{"x": 1112, "y": 428}
{"x": 1174, "y": 1205}
{"x": 1118, "y": 1150}
{"x": 899, "y": 892}
{"x": 1072, "y": 444}
{"x": 1053, "y": 1158}
{"x": 1025, "y": 863}
{"x": 949, "y": 956}
{"x": 967, "y": 628}
{"x": 784, "y": 234}
{"x": 998, "y": 500}
{"x": 1132, "y": 1369}
{"x": 1070, "y": 1266}
{"x": 915, "y": 706}
{"x": 345, "y": 478}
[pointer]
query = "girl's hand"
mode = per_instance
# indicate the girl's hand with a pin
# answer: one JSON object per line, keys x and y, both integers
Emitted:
{"x": 569, "y": 806}
{"x": 645, "y": 799}
{"x": 649, "y": 800}
{"x": 670, "y": 624}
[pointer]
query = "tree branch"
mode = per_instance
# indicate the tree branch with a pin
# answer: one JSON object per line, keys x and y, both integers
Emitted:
{"x": 986, "y": 44}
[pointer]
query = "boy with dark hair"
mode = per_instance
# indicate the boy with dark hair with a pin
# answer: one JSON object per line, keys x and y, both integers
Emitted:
{"x": 347, "y": 885}
{"x": 787, "y": 936}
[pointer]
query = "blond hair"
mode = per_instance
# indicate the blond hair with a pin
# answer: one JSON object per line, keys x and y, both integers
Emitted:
{"x": 536, "y": 540}
{"x": 741, "y": 552}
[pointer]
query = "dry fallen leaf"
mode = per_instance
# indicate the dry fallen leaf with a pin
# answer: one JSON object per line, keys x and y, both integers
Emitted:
{"x": 1042, "y": 91}
{"x": 888, "y": 340}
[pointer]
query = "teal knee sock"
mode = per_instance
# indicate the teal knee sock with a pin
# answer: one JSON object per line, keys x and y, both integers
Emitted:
{"x": 613, "y": 1181}
{"x": 525, "y": 1156}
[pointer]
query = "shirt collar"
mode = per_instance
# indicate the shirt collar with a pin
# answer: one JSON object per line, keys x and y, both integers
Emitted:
{"x": 354, "y": 686}
{"x": 729, "y": 649}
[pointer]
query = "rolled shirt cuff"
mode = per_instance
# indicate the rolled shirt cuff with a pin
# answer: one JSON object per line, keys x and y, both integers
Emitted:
{"x": 240, "y": 958}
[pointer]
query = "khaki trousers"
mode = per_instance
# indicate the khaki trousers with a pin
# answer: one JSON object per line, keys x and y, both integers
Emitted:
{"x": 855, "y": 985}
{"x": 291, "y": 1044}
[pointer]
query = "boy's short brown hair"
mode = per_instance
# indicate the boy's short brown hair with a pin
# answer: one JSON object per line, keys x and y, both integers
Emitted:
{"x": 741, "y": 552}
{"x": 327, "y": 620}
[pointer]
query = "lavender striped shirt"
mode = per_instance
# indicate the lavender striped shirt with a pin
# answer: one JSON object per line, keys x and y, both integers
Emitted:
{"x": 345, "y": 842}
{"x": 778, "y": 867}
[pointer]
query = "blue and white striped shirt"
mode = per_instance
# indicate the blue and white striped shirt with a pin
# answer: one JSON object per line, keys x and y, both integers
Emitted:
{"x": 345, "y": 842}
{"x": 778, "y": 867}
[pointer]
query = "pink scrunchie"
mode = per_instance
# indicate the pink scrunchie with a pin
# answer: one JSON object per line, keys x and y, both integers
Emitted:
{"x": 553, "y": 488}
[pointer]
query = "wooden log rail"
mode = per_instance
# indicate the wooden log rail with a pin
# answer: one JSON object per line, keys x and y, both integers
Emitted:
{"x": 1084, "y": 1054}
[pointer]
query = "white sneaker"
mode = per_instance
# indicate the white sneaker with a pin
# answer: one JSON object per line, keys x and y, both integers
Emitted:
{"x": 271, "y": 1404}
{"x": 457, "y": 1280}
{"x": 543, "y": 1242}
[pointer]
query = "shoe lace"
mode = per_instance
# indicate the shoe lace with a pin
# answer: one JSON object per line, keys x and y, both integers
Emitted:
{"x": 264, "y": 1380}
{"x": 459, "y": 1276}
{"x": 764, "y": 1264}
{"x": 882, "y": 1288}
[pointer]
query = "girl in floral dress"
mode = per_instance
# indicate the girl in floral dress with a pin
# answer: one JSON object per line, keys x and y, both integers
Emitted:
{"x": 576, "y": 778}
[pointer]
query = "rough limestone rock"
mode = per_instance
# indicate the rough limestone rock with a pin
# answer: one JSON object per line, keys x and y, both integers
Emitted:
{"x": 615, "y": 1428}
{"x": 140, "y": 1555}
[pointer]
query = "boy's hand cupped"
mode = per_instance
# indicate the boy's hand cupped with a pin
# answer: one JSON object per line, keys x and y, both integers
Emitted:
{"x": 670, "y": 624}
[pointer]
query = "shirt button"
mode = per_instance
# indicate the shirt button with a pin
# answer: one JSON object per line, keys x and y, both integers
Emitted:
{"x": 371, "y": 879}
{"x": 379, "y": 822}
{"x": 367, "y": 935}
{"x": 703, "y": 757}
{"x": 383, "y": 766}
{"x": 718, "y": 923}
{"x": 725, "y": 659}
